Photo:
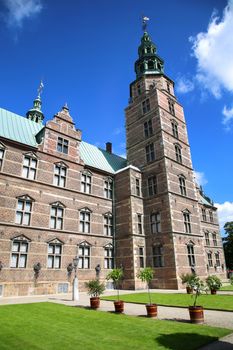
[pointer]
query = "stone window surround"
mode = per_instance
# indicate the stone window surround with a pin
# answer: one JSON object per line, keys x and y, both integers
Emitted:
{"x": 55, "y": 254}
{"x": 108, "y": 224}
{"x": 21, "y": 241}
{"x": 24, "y": 209}
{"x": 84, "y": 254}
{"x": 108, "y": 187}
{"x": 60, "y": 174}
{"x": 182, "y": 185}
{"x": 62, "y": 145}
{"x": 86, "y": 181}
{"x": 141, "y": 256}
{"x": 187, "y": 221}
{"x": 155, "y": 222}
{"x": 108, "y": 256}
{"x": 85, "y": 220}
{"x": 57, "y": 214}
{"x": 29, "y": 171}
{"x": 158, "y": 255}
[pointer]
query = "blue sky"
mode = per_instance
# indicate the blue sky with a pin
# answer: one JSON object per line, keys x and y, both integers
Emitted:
{"x": 85, "y": 52}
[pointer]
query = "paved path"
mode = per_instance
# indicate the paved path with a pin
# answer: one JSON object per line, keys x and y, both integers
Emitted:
{"x": 212, "y": 318}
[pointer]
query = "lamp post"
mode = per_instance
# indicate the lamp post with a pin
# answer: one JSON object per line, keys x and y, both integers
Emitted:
{"x": 75, "y": 294}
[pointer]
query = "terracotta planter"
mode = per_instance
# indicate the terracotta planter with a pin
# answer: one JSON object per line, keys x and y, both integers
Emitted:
{"x": 196, "y": 314}
{"x": 213, "y": 291}
{"x": 119, "y": 306}
{"x": 151, "y": 310}
{"x": 189, "y": 290}
{"x": 95, "y": 302}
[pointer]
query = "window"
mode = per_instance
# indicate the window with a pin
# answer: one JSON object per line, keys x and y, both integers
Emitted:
{"x": 108, "y": 224}
{"x": 108, "y": 188}
{"x": 85, "y": 221}
{"x": 60, "y": 175}
{"x": 178, "y": 153}
{"x": 2, "y": 151}
{"x": 141, "y": 257}
{"x": 182, "y": 185}
{"x": 187, "y": 223}
{"x": 171, "y": 107}
{"x": 54, "y": 255}
{"x": 139, "y": 91}
{"x": 148, "y": 129}
{"x": 175, "y": 129}
{"x": 152, "y": 185}
{"x": 56, "y": 216}
{"x": 84, "y": 255}
{"x": 155, "y": 223}
{"x": 108, "y": 257}
{"x": 158, "y": 260}
{"x": 211, "y": 216}
{"x": 139, "y": 223}
{"x": 62, "y": 145}
{"x": 203, "y": 212}
{"x": 217, "y": 259}
{"x": 207, "y": 238}
{"x": 23, "y": 211}
{"x": 214, "y": 236}
{"x": 137, "y": 183}
{"x": 209, "y": 258}
{"x": 29, "y": 167}
{"x": 86, "y": 182}
{"x": 150, "y": 153}
{"x": 146, "y": 106}
{"x": 168, "y": 88}
{"x": 191, "y": 256}
{"x": 19, "y": 253}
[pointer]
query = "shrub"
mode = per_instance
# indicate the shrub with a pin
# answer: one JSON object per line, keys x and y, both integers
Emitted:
{"x": 95, "y": 288}
{"x": 213, "y": 282}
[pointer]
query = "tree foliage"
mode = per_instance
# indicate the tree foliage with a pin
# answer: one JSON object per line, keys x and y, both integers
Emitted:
{"x": 228, "y": 244}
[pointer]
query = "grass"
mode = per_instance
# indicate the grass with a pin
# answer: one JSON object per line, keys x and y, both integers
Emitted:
{"x": 48, "y": 326}
{"x": 213, "y": 302}
{"x": 228, "y": 287}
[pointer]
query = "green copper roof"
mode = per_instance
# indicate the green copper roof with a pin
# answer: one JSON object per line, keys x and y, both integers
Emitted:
{"x": 98, "y": 158}
{"x": 17, "y": 128}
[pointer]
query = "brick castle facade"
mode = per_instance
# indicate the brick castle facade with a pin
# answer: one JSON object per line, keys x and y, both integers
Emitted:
{"x": 61, "y": 197}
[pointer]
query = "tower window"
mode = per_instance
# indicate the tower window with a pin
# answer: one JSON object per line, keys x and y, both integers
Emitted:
{"x": 141, "y": 257}
{"x": 137, "y": 183}
{"x": 215, "y": 242}
{"x": 148, "y": 129}
{"x": 152, "y": 185}
{"x": 139, "y": 218}
{"x": 155, "y": 223}
{"x": 29, "y": 167}
{"x": 191, "y": 255}
{"x": 211, "y": 216}
{"x": 203, "y": 212}
{"x": 150, "y": 153}
{"x": 207, "y": 238}
{"x": 146, "y": 106}
{"x": 151, "y": 65}
{"x": 62, "y": 145}
{"x": 175, "y": 129}
{"x": 168, "y": 88}
{"x": 139, "y": 89}
{"x": 158, "y": 260}
{"x": 182, "y": 184}
{"x": 171, "y": 107}
{"x": 84, "y": 256}
{"x": 178, "y": 154}
{"x": 187, "y": 223}
{"x": 217, "y": 259}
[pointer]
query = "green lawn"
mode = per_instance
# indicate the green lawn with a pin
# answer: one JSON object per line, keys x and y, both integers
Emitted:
{"x": 216, "y": 302}
{"x": 48, "y": 326}
{"x": 228, "y": 287}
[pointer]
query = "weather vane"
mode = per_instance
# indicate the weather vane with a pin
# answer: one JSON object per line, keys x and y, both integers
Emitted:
{"x": 40, "y": 88}
{"x": 144, "y": 22}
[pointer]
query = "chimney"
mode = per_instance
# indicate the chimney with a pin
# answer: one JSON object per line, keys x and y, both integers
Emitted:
{"x": 109, "y": 147}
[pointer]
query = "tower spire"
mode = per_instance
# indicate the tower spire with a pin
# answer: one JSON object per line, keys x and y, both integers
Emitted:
{"x": 35, "y": 113}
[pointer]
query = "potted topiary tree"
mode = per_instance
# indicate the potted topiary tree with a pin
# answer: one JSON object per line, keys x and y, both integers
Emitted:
{"x": 214, "y": 283}
{"x": 197, "y": 312}
{"x": 146, "y": 275}
{"x": 116, "y": 276}
{"x": 95, "y": 289}
{"x": 186, "y": 278}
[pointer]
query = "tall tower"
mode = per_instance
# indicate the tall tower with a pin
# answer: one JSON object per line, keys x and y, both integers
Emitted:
{"x": 157, "y": 144}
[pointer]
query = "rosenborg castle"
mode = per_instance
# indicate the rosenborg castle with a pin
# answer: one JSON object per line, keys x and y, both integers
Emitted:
{"x": 61, "y": 197}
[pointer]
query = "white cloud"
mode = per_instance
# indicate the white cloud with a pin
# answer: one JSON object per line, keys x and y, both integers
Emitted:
{"x": 214, "y": 51}
{"x": 19, "y": 10}
{"x": 200, "y": 178}
{"x": 184, "y": 85}
{"x": 225, "y": 212}
{"x": 228, "y": 115}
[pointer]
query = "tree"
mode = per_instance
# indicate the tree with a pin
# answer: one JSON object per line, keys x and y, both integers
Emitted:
{"x": 228, "y": 244}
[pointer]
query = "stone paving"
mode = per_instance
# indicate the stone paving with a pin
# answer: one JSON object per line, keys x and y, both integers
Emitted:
{"x": 212, "y": 318}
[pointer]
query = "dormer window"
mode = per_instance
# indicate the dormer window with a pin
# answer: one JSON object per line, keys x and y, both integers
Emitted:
{"x": 62, "y": 145}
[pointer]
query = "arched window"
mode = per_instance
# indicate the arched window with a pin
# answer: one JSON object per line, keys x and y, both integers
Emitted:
{"x": 191, "y": 254}
{"x": 151, "y": 65}
{"x": 187, "y": 221}
{"x": 174, "y": 125}
{"x": 210, "y": 259}
{"x": 182, "y": 184}
{"x": 178, "y": 153}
